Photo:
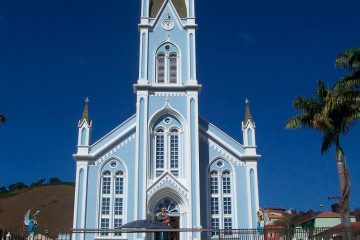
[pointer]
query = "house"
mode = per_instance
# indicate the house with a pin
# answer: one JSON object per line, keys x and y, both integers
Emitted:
{"x": 323, "y": 220}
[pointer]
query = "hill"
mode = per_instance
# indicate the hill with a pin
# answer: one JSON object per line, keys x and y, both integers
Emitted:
{"x": 55, "y": 202}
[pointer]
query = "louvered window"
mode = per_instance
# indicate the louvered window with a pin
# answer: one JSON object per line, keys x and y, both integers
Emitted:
{"x": 161, "y": 68}
{"x": 173, "y": 68}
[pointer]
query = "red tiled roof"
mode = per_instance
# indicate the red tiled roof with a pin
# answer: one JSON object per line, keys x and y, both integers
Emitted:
{"x": 328, "y": 215}
{"x": 277, "y": 216}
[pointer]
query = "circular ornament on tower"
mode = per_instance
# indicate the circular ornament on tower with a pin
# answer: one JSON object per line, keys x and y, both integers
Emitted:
{"x": 168, "y": 25}
{"x": 113, "y": 164}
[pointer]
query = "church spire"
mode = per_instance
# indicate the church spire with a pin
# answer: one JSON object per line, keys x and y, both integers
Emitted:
{"x": 248, "y": 116}
{"x": 248, "y": 127}
{"x": 85, "y": 127}
{"x": 85, "y": 114}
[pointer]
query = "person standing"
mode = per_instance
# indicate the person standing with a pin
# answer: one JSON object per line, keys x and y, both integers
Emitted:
{"x": 164, "y": 218}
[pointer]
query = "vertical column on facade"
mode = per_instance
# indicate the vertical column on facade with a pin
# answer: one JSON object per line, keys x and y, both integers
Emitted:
{"x": 143, "y": 59}
{"x": 194, "y": 161}
{"x": 192, "y": 55}
{"x": 145, "y": 8}
{"x": 141, "y": 154}
{"x": 191, "y": 8}
{"x": 253, "y": 196}
{"x": 248, "y": 191}
{"x": 255, "y": 191}
{"x": 80, "y": 198}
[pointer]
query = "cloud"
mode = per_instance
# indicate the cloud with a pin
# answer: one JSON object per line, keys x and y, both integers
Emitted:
{"x": 246, "y": 37}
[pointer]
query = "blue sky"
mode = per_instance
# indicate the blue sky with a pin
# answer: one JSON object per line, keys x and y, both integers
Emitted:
{"x": 55, "y": 53}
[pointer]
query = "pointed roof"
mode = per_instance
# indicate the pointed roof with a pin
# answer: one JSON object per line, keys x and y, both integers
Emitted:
{"x": 180, "y": 6}
{"x": 85, "y": 114}
{"x": 248, "y": 116}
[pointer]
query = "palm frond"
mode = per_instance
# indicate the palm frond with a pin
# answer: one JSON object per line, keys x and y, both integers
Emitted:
{"x": 349, "y": 59}
{"x": 299, "y": 121}
{"x": 322, "y": 91}
{"x": 306, "y": 105}
{"x": 348, "y": 83}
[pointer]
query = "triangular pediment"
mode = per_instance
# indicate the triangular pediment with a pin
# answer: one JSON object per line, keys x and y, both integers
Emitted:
{"x": 169, "y": 12}
{"x": 167, "y": 180}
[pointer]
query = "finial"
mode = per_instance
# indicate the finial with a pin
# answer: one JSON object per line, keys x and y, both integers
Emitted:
{"x": 85, "y": 114}
{"x": 248, "y": 116}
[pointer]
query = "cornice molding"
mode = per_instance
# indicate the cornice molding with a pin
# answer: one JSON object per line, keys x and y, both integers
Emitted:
{"x": 166, "y": 87}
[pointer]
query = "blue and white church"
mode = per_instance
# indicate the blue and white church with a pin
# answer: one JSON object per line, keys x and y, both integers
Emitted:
{"x": 166, "y": 154}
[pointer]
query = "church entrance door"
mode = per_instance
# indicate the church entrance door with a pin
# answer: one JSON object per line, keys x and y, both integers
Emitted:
{"x": 173, "y": 218}
{"x": 174, "y": 223}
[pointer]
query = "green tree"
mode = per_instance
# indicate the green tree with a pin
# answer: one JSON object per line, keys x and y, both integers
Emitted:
{"x": 333, "y": 111}
{"x": 54, "y": 180}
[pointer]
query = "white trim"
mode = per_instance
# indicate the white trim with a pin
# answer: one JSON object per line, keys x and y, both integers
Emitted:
{"x": 84, "y": 199}
{"x": 145, "y": 153}
{"x": 188, "y": 175}
{"x": 136, "y": 197}
{"x": 76, "y": 195}
{"x": 248, "y": 190}
{"x": 222, "y": 142}
{"x": 197, "y": 158}
{"x": 112, "y": 131}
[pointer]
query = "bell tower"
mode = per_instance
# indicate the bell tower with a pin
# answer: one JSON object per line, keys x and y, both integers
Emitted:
{"x": 167, "y": 96}
{"x": 167, "y": 43}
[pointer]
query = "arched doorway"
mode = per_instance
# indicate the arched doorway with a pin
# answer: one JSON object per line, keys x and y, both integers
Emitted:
{"x": 172, "y": 212}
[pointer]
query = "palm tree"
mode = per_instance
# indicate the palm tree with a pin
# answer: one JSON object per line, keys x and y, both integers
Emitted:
{"x": 2, "y": 118}
{"x": 333, "y": 111}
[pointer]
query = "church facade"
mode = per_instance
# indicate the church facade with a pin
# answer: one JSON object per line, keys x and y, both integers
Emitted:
{"x": 166, "y": 154}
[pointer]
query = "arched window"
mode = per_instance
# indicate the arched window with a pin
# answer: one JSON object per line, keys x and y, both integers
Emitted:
{"x": 167, "y": 147}
{"x": 83, "y": 136}
{"x": 174, "y": 151}
{"x": 171, "y": 207}
{"x": 159, "y": 151}
{"x": 167, "y": 64}
{"x": 221, "y": 209}
{"x": 249, "y": 137}
{"x": 160, "y": 68}
{"x": 173, "y": 68}
{"x": 105, "y": 201}
{"x": 113, "y": 197}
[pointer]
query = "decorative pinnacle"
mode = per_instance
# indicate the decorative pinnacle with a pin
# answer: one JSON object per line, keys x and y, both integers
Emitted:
{"x": 248, "y": 116}
{"x": 85, "y": 114}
